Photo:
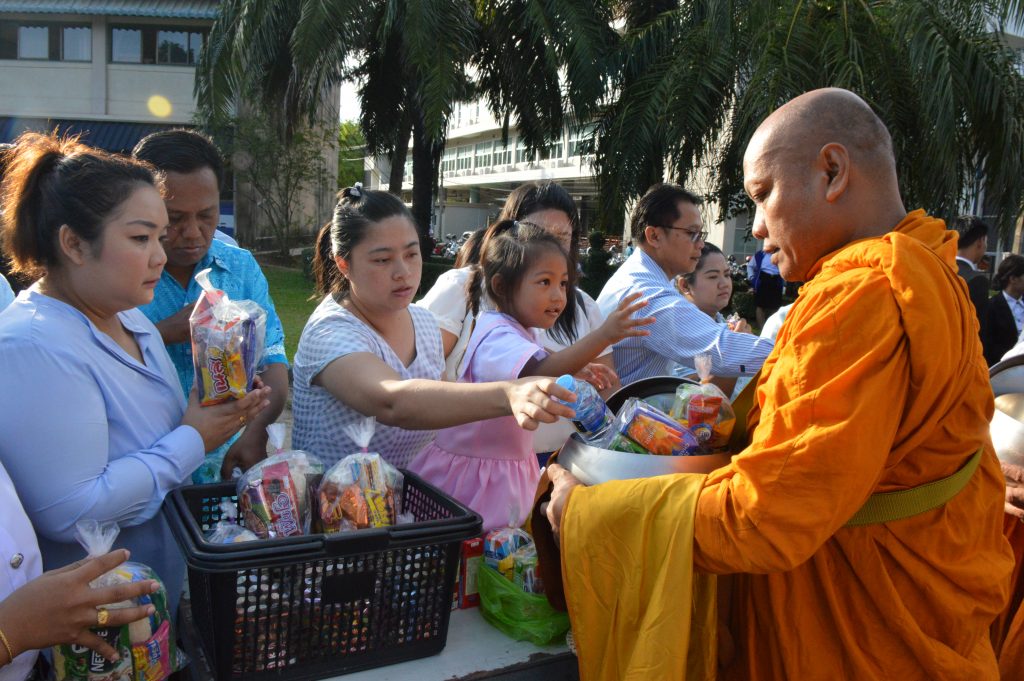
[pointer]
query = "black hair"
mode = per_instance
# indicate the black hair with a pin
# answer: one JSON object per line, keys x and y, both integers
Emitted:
{"x": 709, "y": 249}
{"x": 469, "y": 252}
{"x": 971, "y": 230}
{"x": 52, "y": 181}
{"x": 508, "y": 251}
{"x": 659, "y": 207}
{"x": 533, "y": 197}
{"x": 180, "y": 151}
{"x": 1011, "y": 266}
{"x": 356, "y": 212}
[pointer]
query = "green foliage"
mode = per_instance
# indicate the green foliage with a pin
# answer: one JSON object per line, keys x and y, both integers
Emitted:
{"x": 696, "y": 79}
{"x": 432, "y": 269}
{"x": 291, "y": 292}
{"x": 596, "y": 267}
{"x": 279, "y": 171}
{"x": 351, "y": 150}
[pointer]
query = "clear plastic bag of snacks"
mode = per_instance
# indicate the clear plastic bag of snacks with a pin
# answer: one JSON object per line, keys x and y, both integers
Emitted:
{"x": 654, "y": 431}
{"x": 147, "y": 648}
{"x": 276, "y": 496}
{"x": 362, "y": 490}
{"x": 227, "y": 530}
{"x": 227, "y": 343}
{"x": 500, "y": 546}
{"x": 704, "y": 408}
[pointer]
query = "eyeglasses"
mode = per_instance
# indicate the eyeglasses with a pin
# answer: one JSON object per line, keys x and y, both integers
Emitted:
{"x": 694, "y": 236}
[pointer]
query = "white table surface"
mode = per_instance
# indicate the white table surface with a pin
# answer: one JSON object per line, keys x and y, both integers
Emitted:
{"x": 474, "y": 647}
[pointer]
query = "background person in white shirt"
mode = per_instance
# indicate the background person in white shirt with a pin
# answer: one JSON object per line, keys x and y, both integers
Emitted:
{"x": 1004, "y": 313}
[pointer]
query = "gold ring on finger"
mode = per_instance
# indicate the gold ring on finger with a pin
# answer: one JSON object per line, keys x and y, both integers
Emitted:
{"x": 102, "y": 617}
{"x": 241, "y": 419}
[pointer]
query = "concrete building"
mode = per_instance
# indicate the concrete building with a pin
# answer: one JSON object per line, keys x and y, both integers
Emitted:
{"x": 115, "y": 71}
{"x": 478, "y": 171}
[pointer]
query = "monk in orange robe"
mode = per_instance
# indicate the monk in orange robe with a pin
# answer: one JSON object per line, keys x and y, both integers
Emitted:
{"x": 1008, "y": 629}
{"x": 876, "y": 384}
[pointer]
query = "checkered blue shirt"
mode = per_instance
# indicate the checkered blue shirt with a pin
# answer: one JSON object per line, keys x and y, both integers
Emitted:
{"x": 680, "y": 331}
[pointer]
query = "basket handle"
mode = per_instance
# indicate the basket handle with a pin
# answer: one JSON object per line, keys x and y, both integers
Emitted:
{"x": 364, "y": 541}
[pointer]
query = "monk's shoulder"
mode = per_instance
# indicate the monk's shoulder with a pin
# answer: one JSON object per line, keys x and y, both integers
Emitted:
{"x": 841, "y": 304}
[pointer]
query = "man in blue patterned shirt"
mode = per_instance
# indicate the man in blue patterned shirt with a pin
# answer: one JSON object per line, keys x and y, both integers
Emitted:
{"x": 192, "y": 166}
{"x": 669, "y": 232}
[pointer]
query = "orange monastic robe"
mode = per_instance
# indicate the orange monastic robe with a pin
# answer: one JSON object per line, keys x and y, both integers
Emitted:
{"x": 1008, "y": 629}
{"x": 876, "y": 384}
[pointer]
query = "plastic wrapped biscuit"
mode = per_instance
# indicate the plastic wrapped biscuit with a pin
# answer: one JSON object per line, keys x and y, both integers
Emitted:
{"x": 362, "y": 490}
{"x": 275, "y": 497}
{"x": 227, "y": 343}
{"x": 147, "y": 647}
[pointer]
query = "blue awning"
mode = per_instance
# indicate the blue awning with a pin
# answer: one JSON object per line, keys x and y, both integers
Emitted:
{"x": 113, "y": 136}
{"x": 164, "y": 9}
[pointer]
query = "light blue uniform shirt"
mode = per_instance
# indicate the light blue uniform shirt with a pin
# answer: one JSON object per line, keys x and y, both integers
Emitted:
{"x": 234, "y": 271}
{"x": 90, "y": 433}
{"x": 680, "y": 331}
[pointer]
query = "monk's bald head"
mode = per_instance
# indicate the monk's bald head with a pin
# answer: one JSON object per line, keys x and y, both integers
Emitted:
{"x": 805, "y": 124}
{"x": 821, "y": 173}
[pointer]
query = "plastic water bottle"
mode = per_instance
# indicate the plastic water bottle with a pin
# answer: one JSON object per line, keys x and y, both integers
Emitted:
{"x": 593, "y": 417}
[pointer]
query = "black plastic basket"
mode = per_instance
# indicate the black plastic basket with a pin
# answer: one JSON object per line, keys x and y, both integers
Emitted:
{"x": 319, "y": 605}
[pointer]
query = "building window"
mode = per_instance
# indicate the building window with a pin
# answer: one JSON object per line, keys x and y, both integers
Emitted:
{"x": 502, "y": 155}
{"x": 579, "y": 143}
{"x": 178, "y": 47}
{"x": 126, "y": 45}
{"x": 155, "y": 45}
{"x": 522, "y": 156}
{"x": 45, "y": 41}
{"x": 464, "y": 158}
{"x": 483, "y": 155}
{"x": 76, "y": 43}
{"x": 448, "y": 160}
{"x": 552, "y": 151}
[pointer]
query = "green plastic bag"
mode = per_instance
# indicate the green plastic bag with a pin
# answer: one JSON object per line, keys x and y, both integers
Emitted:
{"x": 520, "y": 615}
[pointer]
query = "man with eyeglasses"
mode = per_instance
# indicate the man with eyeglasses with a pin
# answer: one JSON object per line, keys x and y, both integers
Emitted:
{"x": 192, "y": 168}
{"x": 669, "y": 232}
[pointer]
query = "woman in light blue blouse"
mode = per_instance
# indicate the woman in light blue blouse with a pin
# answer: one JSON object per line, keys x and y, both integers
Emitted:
{"x": 93, "y": 424}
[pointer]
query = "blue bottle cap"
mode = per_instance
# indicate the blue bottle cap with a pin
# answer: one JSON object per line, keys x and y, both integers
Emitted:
{"x": 567, "y": 382}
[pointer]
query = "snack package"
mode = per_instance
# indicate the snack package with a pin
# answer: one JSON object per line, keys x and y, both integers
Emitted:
{"x": 275, "y": 495}
{"x": 469, "y": 564}
{"x": 524, "y": 570}
{"x": 362, "y": 490}
{"x": 227, "y": 343}
{"x": 227, "y": 530}
{"x": 704, "y": 408}
{"x": 499, "y": 547}
{"x": 654, "y": 430}
{"x": 147, "y": 648}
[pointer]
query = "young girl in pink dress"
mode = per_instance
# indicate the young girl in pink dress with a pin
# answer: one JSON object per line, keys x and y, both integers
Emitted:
{"x": 490, "y": 465}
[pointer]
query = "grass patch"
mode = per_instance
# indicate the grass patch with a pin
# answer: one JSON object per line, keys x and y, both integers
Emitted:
{"x": 290, "y": 291}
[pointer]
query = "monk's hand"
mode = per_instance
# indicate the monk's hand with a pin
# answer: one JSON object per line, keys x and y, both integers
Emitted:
{"x": 563, "y": 483}
{"x": 532, "y": 401}
{"x": 1014, "y": 489}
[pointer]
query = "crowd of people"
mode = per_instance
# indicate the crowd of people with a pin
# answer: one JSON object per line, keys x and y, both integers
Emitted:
{"x": 860, "y": 388}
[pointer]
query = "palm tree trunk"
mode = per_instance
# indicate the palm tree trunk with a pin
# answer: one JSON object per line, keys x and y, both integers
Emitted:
{"x": 399, "y": 154}
{"x": 423, "y": 172}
